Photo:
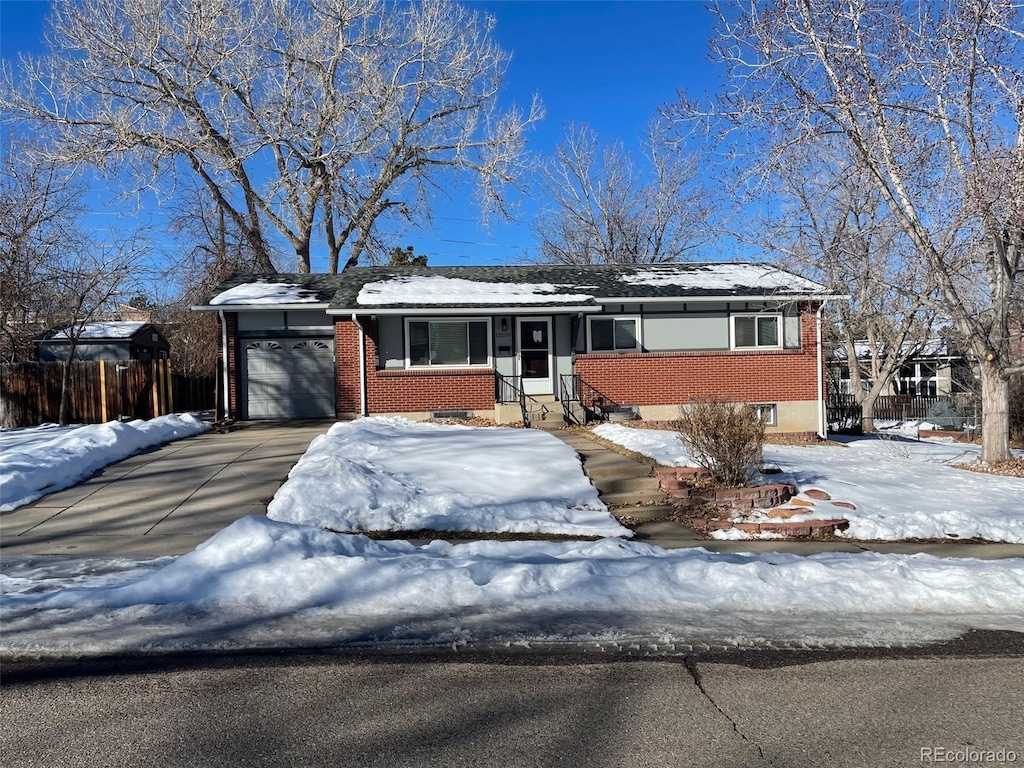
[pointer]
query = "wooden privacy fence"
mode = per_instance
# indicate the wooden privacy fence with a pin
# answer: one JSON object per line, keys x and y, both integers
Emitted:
{"x": 99, "y": 391}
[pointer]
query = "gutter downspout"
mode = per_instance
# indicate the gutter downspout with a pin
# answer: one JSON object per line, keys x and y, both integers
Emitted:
{"x": 363, "y": 410}
{"x": 224, "y": 357}
{"x": 822, "y": 426}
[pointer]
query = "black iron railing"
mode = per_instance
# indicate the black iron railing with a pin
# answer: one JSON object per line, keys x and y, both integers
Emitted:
{"x": 506, "y": 388}
{"x": 594, "y": 404}
{"x": 509, "y": 389}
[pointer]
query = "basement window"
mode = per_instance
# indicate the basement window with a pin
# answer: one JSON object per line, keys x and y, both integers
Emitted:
{"x": 767, "y": 412}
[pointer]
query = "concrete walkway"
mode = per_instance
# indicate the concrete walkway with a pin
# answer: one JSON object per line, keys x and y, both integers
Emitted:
{"x": 600, "y": 462}
{"x": 169, "y": 500}
{"x": 165, "y": 501}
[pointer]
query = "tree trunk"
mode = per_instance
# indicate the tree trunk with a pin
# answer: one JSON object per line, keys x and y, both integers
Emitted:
{"x": 867, "y": 406}
{"x": 995, "y": 415}
{"x": 302, "y": 262}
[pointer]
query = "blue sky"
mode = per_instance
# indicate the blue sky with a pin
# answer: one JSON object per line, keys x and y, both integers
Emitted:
{"x": 607, "y": 64}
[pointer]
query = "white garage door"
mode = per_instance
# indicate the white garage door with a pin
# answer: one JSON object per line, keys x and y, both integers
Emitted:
{"x": 289, "y": 378}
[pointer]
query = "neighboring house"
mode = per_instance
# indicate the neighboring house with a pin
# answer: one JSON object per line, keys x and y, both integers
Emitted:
{"x": 937, "y": 369}
{"x": 487, "y": 341}
{"x": 106, "y": 340}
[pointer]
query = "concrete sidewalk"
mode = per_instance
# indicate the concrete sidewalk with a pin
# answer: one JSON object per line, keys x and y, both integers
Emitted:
{"x": 164, "y": 501}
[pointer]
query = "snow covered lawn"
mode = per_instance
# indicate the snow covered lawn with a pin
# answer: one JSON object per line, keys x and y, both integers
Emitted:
{"x": 388, "y": 473}
{"x": 261, "y": 583}
{"x": 902, "y": 489}
{"x": 289, "y": 582}
{"x": 41, "y": 460}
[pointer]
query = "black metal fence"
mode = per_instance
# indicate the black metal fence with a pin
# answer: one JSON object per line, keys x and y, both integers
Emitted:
{"x": 845, "y": 414}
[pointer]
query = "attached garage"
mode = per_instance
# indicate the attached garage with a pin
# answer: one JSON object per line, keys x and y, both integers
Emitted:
{"x": 288, "y": 378}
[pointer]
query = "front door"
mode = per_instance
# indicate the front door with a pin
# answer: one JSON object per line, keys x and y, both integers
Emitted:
{"x": 535, "y": 364}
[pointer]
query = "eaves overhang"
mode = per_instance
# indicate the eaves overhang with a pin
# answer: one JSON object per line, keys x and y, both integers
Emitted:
{"x": 258, "y": 307}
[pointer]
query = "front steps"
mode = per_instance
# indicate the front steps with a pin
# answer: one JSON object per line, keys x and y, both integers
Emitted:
{"x": 545, "y": 412}
{"x": 628, "y": 487}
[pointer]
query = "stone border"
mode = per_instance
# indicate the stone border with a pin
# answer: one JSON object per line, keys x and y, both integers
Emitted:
{"x": 814, "y": 529}
{"x": 678, "y": 484}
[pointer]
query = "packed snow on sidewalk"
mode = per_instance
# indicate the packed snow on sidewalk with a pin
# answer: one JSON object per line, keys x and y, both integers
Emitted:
{"x": 261, "y": 584}
{"x": 389, "y": 473}
{"x": 902, "y": 489}
{"x": 40, "y": 460}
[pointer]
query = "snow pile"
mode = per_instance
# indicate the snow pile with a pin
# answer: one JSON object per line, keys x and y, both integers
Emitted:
{"x": 423, "y": 290}
{"x": 31, "y": 467}
{"x": 661, "y": 445}
{"x": 389, "y": 473}
{"x": 265, "y": 293}
{"x": 902, "y": 489}
{"x": 277, "y": 584}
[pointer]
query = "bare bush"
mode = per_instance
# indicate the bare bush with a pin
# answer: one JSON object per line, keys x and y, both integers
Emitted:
{"x": 723, "y": 437}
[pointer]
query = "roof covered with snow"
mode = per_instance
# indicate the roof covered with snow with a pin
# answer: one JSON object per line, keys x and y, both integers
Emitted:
{"x": 376, "y": 288}
{"x": 120, "y": 330}
{"x": 936, "y": 347}
{"x": 272, "y": 290}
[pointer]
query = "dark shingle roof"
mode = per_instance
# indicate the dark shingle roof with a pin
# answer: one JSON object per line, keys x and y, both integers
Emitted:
{"x": 310, "y": 288}
{"x": 365, "y": 288}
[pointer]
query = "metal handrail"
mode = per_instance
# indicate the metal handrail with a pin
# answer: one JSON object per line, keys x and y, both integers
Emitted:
{"x": 595, "y": 404}
{"x": 508, "y": 389}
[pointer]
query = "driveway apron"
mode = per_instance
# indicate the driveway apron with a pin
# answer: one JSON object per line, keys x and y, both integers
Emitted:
{"x": 165, "y": 501}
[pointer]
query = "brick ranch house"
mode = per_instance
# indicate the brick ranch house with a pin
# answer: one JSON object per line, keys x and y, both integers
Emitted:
{"x": 524, "y": 342}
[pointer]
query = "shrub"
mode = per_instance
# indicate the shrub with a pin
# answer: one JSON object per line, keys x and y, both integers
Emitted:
{"x": 726, "y": 438}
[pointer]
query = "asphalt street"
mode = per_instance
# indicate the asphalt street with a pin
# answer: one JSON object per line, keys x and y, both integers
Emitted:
{"x": 759, "y": 709}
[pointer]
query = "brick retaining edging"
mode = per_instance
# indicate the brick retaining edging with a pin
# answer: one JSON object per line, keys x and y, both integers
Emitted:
{"x": 677, "y": 484}
{"x": 814, "y": 529}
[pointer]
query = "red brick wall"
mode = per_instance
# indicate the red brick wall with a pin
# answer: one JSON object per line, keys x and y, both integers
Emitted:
{"x": 395, "y": 391}
{"x": 668, "y": 378}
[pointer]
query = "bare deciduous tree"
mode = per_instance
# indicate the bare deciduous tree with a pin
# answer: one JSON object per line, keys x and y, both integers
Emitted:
{"x": 213, "y": 250}
{"x": 831, "y": 224}
{"x": 39, "y": 207}
{"x": 926, "y": 99}
{"x": 88, "y": 279}
{"x": 311, "y": 119}
{"x": 607, "y": 209}
{"x": 55, "y": 274}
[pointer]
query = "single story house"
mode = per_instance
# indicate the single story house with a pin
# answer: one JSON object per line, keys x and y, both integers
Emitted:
{"x": 513, "y": 342}
{"x": 105, "y": 340}
{"x": 936, "y": 368}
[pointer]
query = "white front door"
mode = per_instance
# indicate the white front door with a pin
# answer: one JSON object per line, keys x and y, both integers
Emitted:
{"x": 536, "y": 365}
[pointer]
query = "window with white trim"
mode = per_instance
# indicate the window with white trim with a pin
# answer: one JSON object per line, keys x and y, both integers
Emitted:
{"x": 917, "y": 380}
{"x": 614, "y": 334}
{"x": 757, "y": 331}
{"x": 767, "y": 413}
{"x": 448, "y": 343}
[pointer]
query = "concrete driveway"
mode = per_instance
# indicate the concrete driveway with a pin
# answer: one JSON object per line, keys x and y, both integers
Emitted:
{"x": 165, "y": 501}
